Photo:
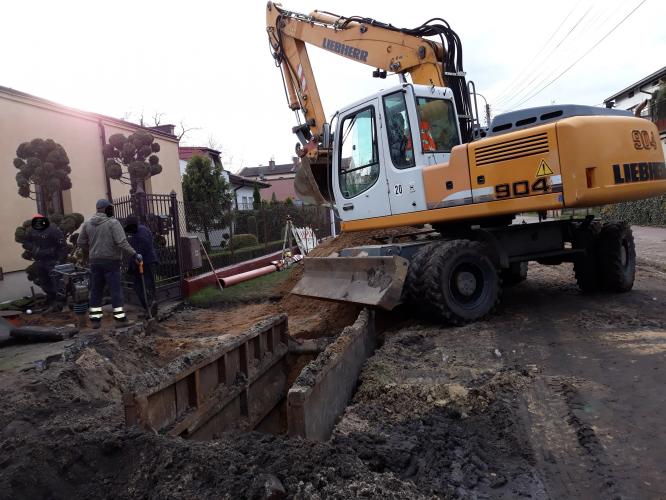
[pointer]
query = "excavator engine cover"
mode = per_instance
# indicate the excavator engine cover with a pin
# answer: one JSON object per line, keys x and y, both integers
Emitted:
{"x": 373, "y": 281}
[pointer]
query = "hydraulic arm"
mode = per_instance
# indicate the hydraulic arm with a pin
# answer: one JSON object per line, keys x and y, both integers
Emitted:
{"x": 367, "y": 41}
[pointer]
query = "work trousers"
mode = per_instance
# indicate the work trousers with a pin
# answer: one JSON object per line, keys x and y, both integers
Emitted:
{"x": 149, "y": 278}
{"x": 47, "y": 281}
{"x": 105, "y": 272}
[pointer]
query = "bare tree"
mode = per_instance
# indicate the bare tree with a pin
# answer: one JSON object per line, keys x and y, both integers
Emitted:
{"x": 213, "y": 143}
{"x": 157, "y": 118}
{"x": 184, "y": 130}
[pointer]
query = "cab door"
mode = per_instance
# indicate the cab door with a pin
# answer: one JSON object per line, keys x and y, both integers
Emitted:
{"x": 398, "y": 139}
{"x": 359, "y": 174}
{"x": 420, "y": 129}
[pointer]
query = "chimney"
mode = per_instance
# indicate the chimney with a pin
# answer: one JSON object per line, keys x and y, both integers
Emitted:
{"x": 165, "y": 129}
{"x": 271, "y": 165}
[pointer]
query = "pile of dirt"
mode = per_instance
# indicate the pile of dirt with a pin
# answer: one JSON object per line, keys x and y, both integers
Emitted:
{"x": 331, "y": 246}
{"x": 421, "y": 425}
{"x": 312, "y": 318}
{"x": 424, "y": 414}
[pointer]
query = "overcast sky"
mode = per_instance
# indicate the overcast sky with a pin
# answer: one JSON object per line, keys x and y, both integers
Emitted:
{"x": 207, "y": 63}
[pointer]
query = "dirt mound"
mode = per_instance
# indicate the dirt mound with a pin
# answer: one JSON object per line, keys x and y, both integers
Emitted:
{"x": 311, "y": 318}
{"x": 411, "y": 432}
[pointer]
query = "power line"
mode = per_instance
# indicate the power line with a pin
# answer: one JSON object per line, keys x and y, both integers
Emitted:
{"x": 537, "y": 75}
{"x": 526, "y": 67}
{"x": 544, "y": 76}
{"x": 584, "y": 55}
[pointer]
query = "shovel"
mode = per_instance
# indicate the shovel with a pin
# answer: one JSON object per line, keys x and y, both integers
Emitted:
{"x": 145, "y": 295}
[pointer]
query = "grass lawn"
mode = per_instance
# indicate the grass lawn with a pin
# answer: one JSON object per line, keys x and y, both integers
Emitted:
{"x": 258, "y": 289}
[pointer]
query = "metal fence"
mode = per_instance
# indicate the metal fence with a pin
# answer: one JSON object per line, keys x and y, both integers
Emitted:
{"x": 159, "y": 213}
{"x": 264, "y": 223}
{"x": 168, "y": 219}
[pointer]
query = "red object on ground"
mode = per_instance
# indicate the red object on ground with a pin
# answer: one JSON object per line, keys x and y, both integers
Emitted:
{"x": 196, "y": 283}
{"x": 248, "y": 275}
{"x": 13, "y": 317}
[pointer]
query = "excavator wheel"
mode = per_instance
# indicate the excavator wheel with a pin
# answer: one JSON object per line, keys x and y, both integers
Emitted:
{"x": 586, "y": 265}
{"x": 616, "y": 256}
{"x": 514, "y": 274}
{"x": 413, "y": 292}
{"x": 460, "y": 282}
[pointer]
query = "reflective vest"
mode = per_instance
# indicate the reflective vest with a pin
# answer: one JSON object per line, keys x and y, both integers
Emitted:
{"x": 427, "y": 140}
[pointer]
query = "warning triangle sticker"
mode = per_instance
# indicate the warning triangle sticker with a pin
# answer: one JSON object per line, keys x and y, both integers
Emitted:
{"x": 544, "y": 169}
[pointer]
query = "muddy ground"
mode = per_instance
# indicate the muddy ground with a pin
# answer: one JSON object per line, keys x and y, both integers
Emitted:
{"x": 558, "y": 395}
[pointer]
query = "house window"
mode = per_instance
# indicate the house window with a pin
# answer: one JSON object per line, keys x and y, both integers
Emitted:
{"x": 43, "y": 205}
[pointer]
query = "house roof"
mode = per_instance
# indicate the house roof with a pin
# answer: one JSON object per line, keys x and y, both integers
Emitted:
{"x": 88, "y": 114}
{"x": 657, "y": 75}
{"x": 187, "y": 152}
{"x": 239, "y": 180}
{"x": 270, "y": 169}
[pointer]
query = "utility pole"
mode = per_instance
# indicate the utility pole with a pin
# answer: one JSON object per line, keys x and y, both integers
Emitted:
{"x": 487, "y": 114}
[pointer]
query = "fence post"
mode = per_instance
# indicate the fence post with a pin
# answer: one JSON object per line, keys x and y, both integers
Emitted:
{"x": 176, "y": 235}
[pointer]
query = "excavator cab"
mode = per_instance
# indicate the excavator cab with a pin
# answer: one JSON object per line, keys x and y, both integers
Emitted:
{"x": 380, "y": 146}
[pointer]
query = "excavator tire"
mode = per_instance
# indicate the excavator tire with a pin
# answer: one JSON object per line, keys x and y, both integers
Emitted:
{"x": 413, "y": 292}
{"x": 514, "y": 274}
{"x": 461, "y": 283}
{"x": 586, "y": 265}
{"x": 616, "y": 255}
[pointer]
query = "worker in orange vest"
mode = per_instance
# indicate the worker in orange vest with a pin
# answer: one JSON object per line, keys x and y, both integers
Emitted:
{"x": 427, "y": 141}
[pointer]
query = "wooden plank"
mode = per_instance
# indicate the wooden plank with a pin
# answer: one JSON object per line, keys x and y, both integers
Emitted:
{"x": 182, "y": 396}
{"x": 232, "y": 367}
{"x": 162, "y": 408}
{"x": 208, "y": 380}
{"x": 191, "y": 389}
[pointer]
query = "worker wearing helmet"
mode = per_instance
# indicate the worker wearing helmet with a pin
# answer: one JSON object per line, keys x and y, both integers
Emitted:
{"x": 46, "y": 243}
{"x": 103, "y": 241}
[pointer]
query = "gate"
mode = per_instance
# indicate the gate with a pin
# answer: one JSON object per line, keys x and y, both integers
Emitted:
{"x": 158, "y": 212}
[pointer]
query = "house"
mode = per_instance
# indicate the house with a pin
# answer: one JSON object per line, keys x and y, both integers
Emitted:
{"x": 243, "y": 188}
{"x": 280, "y": 176}
{"x": 632, "y": 98}
{"x": 82, "y": 135}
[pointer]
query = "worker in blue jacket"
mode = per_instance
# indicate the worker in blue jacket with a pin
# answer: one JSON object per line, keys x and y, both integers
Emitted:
{"x": 46, "y": 243}
{"x": 141, "y": 239}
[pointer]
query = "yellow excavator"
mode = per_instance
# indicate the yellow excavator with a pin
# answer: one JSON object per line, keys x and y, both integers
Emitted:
{"x": 416, "y": 155}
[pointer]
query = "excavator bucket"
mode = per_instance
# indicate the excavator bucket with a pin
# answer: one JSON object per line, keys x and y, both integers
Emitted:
{"x": 305, "y": 181}
{"x": 373, "y": 281}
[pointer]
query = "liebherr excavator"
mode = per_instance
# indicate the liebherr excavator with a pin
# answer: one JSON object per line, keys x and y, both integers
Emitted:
{"x": 414, "y": 154}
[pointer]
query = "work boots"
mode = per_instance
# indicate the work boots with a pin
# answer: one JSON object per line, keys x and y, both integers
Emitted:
{"x": 95, "y": 316}
{"x": 119, "y": 316}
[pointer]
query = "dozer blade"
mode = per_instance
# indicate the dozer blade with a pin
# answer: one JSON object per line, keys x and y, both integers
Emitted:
{"x": 374, "y": 281}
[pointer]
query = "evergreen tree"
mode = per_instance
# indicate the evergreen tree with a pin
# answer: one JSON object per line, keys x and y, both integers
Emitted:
{"x": 256, "y": 197}
{"x": 207, "y": 196}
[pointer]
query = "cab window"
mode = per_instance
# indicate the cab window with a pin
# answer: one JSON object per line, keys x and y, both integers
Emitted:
{"x": 437, "y": 125}
{"x": 358, "y": 169}
{"x": 398, "y": 130}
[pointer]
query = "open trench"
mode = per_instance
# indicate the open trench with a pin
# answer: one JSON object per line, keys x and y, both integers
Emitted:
{"x": 262, "y": 380}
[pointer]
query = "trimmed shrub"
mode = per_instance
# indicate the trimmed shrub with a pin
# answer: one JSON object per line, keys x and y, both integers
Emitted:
{"x": 243, "y": 241}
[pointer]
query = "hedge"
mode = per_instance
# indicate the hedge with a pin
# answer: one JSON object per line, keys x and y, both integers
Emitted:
{"x": 239, "y": 241}
{"x": 649, "y": 212}
{"x": 225, "y": 258}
